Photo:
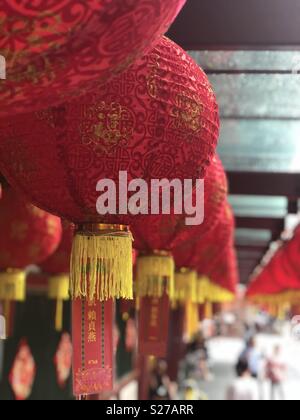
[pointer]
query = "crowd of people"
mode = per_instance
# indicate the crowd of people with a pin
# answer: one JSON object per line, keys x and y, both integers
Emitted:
{"x": 253, "y": 369}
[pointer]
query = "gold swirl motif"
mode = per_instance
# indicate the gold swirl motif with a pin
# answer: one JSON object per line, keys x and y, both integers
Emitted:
{"x": 188, "y": 113}
{"x": 33, "y": 38}
{"x": 187, "y": 108}
{"x": 108, "y": 123}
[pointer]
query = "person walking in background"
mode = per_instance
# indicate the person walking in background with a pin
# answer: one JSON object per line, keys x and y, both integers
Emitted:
{"x": 276, "y": 373}
{"x": 253, "y": 357}
{"x": 256, "y": 363}
{"x": 244, "y": 388}
{"x": 160, "y": 383}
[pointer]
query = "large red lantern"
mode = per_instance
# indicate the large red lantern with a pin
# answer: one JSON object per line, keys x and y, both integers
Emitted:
{"x": 58, "y": 49}
{"x": 28, "y": 236}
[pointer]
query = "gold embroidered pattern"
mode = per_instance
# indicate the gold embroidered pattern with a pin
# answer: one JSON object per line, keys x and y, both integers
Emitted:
{"x": 113, "y": 123}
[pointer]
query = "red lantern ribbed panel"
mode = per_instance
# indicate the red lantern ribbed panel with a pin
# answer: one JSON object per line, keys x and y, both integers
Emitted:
{"x": 58, "y": 49}
{"x": 157, "y": 120}
{"x": 28, "y": 235}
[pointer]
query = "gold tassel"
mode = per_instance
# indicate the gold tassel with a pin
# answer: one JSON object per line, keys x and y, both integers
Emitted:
{"x": 12, "y": 289}
{"x": 101, "y": 263}
{"x": 217, "y": 294}
{"x": 185, "y": 286}
{"x": 59, "y": 314}
{"x": 202, "y": 289}
{"x": 58, "y": 289}
{"x": 281, "y": 312}
{"x": 155, "y": 275}
{"x": 13, "y": 285}
{"x": 191, "y": 320}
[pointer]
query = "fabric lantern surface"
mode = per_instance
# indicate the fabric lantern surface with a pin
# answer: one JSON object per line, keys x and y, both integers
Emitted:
{"x": 283, "y": 271}
{"x": 157, "y": 120}
{"x": 263, "y": 284}
{"x": 57, "y": 268}
{"x": 28, "y": 236}
{"x": 58, "y": 49}
{"x": 292, "y": 252}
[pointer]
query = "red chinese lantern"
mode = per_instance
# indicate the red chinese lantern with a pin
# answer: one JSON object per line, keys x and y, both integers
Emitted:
{"x": 28, "y": 236}
{"x": 157, "y": 120}
{"x": 59, "y": 49}
{"x": 57, "y": 268}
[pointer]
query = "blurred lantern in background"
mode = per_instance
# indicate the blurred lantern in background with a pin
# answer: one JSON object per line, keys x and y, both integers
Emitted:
{"x": 158, "y": 120}
{"x": 57, "y": 267}
{"x": 58, "y": 50}
{"x": 23, "y": 372}
{"x": 63, "y": 360}
{"x": 277, "y": 284}
{"x": 28, "y": 236}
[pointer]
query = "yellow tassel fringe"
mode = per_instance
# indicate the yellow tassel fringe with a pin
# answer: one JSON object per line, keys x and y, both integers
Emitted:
{"x": 13, "y": 286}
{"x": 207, "y": 291}
{"x": 288, "y": 297}
{"x": 58, "y": 287}
{"x": 186, "y": 286}
{"x": 101, "y": 266}
{"x": 155, "y": 276}
{"x": 192, "y": 321}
